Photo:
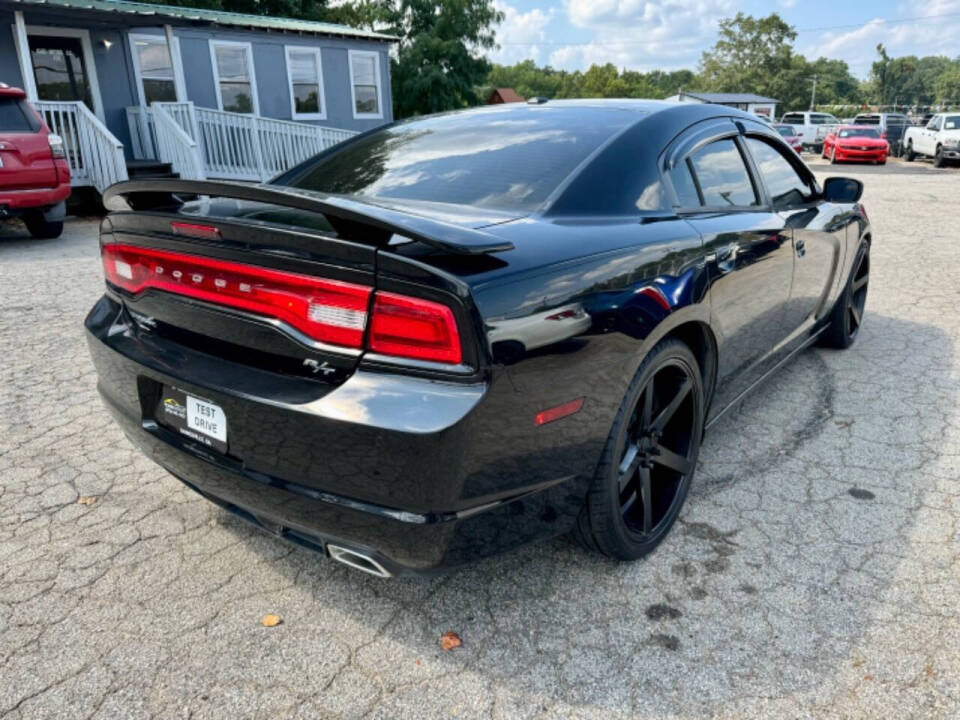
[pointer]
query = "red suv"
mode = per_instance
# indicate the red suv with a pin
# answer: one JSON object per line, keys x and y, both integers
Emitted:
{"x": 34, "y": 174}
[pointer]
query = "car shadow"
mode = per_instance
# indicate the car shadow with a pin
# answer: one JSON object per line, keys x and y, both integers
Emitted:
{"x": 805, "y": 497}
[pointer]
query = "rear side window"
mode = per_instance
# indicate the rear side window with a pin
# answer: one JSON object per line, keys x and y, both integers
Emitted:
{"x": 786, "y": 187}
{"x": 16, "y": 116}
{"x": 953, "y": 122}
{"x": 506, "y": 158}
{"x": 682, "y": 178}
{"x": 722, "y": 175}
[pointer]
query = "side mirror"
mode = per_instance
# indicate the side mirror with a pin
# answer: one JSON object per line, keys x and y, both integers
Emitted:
{"x": 842, "y": 190}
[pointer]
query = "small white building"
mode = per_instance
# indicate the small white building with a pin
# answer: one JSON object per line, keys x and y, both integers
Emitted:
{"x": 756, "y": 104}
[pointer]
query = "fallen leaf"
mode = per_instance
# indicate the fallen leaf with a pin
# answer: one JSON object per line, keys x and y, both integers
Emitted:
{"x": 929, "y": 670}
{"x": 271, "y": 620}
{"x": 868, "y": 677}
{"x": 418, "y": 661}
{"x": 450, "y": 640}
{"x": 86, "y": 500}
{"x": 858, "y": 662}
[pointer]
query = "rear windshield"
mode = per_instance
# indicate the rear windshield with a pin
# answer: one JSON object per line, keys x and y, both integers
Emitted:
{"x": 16, "y": 116}
{"x": 786, "y": 131}
{"x": 867, "y": 119}
{"x": 510, "y": 159}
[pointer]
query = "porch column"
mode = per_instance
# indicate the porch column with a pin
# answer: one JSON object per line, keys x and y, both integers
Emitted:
{"x": 179, "y": 83}
{"x": 23, "y": 54}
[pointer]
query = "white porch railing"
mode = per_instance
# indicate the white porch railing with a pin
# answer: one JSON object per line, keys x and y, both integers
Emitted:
{"x": 174, "y": 145}
{"x": 234, "y": 146}
{"x": 95, "y": 156}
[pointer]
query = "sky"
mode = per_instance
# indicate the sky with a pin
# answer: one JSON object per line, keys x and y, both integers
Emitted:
{"x": 671, "y": 34}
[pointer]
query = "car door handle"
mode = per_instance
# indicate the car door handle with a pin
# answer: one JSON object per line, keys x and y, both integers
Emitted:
{"x": 801, "y": 247}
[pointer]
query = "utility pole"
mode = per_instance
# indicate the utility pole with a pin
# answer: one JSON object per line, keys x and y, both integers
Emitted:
{"x": 813, "y": 94}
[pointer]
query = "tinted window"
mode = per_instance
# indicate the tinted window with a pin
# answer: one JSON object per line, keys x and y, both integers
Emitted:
{"x": 500, "y": 158}
{"x": 783, "y": 182}
{"x": 792, "y": 119}
{"x": 867, "y": 120}
{"x": 786, "y": 131}
{"x": 823, "y": 120}
{"x": 15, "y": 116}
{"x": 722, "y": 175}
{"x": 682, "y": 180}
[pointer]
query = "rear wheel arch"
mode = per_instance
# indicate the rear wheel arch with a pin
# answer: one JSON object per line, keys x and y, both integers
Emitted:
{"x": 698, "y": 336}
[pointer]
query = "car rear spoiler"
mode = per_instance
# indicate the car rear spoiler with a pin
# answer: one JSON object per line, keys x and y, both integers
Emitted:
{"x": 151, "y": 194}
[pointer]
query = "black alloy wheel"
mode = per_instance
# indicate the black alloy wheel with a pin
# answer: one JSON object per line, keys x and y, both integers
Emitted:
{"x": 650, "y": 457}
{"x": 847, "y": 315}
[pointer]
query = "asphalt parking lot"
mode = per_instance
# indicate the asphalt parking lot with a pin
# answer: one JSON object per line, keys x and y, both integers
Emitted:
{"x": 815, "y": 571}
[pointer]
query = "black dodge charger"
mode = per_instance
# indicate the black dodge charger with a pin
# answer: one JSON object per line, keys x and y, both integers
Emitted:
{"x": 453, "y": 335}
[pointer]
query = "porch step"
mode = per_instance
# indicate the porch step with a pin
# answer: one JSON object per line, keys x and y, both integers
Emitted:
{"x": 149, "y": 169}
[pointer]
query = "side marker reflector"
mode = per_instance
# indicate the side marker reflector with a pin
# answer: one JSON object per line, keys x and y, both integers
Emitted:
{"x": 560, "y": 411}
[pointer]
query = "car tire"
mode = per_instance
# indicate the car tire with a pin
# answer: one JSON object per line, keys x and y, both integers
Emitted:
{"x": 938, "y": 160}
{"x": 41, "y": 228}
{"x": 649, "y": 458}
{"x": 909, "y": 154}
{"x": 847, "y": 314}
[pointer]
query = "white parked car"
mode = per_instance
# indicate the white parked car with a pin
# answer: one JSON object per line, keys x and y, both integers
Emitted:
{"x": 939, "y": 139}
{"x": 812, "y": 127}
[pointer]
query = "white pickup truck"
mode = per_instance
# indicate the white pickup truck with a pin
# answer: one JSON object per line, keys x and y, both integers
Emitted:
{"x": 939, "y": 139}
{"x": 812, "y": 127}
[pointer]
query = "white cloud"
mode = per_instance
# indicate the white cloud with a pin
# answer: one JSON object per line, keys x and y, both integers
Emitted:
{"x": 641, "y": 34}
{"x": 858, "y": 46}
{"x": 520, "y": 34}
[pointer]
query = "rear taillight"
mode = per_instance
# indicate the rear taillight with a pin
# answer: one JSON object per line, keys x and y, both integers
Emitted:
{"x": 56, "y": 146}
{"x": 329, "y": 311}
{"x": 326, "y": 310}
{"x": 414, "y": 328}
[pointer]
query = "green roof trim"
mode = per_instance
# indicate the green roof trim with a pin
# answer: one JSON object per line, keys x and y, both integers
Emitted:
{"x": 186, "y": 15}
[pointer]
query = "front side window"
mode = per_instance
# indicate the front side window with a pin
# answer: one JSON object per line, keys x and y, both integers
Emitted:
{"x": 365, "y": 82}
{"x": 233, "y": 70}
{"x": 722, "y": 175}
{"x": 153, "y": 62}
{"x": 306, "y": 82}
{"x": 786, "y": 187}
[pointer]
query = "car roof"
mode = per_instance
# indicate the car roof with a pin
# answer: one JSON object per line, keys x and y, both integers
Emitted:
{"x": 10, "y": 91}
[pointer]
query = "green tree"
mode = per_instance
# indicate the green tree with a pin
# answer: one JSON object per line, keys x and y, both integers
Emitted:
{"x": 947, "y": 85}
{"x": 750, "y": 55}
{"x": 439, "y": 60}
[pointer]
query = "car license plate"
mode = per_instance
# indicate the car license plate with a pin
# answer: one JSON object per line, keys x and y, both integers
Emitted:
{"x": 193, "y": 417}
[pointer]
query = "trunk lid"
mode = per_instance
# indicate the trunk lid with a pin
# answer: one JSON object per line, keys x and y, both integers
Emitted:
{"x": 189, "y": 225}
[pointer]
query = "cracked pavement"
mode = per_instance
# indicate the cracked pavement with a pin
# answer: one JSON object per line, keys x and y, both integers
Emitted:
{"x": 815, "y": 571}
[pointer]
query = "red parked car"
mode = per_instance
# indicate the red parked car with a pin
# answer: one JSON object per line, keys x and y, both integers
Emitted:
{"x": 789, "y": 133}
{"x": 858, "y": 143}
{"x": 34, "y": 174}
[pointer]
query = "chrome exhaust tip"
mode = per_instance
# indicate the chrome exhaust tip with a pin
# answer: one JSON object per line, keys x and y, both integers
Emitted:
{"x": 357, "y": 561}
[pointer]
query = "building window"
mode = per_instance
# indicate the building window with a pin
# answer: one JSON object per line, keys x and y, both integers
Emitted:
{"x": 305, "y": 75}
{"x": 154, "y": 67}
{"x": 234, "y": 76}
{"x": 365, "y": 84}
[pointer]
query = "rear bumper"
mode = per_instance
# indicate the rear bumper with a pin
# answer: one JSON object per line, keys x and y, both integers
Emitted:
{"x": 14, "y": 202}
{"x": 416, "y": 474}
